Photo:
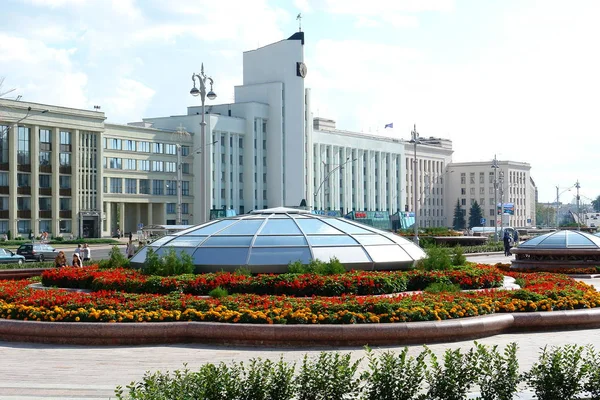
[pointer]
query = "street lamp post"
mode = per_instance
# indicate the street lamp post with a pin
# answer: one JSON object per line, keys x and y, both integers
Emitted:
{"x": 577, "y": 186}
{"x": 496, "y": 166}
{"x": 415, "y": 140}
{"x": 327, "y": 178}
{"x": 558, "y": 202}
{"x": 205, "y": 194}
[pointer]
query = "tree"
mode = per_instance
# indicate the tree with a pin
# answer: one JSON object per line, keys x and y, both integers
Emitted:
{"x": 596, "y": 204}
{"x": 545, "y": 215}
{"x": 475, "y": 215}
{"x": 459, "y": 217}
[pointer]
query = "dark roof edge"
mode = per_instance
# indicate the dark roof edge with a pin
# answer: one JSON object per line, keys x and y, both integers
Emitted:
{"x": 298, "y": 36}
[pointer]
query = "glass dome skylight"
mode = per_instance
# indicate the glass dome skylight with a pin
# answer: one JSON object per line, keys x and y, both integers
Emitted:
{"x": 563, "y": 240}
{"x": 268, "y": 240}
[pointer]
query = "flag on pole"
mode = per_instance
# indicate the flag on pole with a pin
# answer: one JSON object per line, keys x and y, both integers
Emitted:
{"x": 390, "y": 125}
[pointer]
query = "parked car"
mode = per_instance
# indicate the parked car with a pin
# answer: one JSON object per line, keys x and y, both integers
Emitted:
{"x": 37, "y": 251}
{"x": 8, "y": 257}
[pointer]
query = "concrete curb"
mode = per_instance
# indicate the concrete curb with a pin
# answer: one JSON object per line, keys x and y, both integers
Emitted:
{"x": 90, "y": 333}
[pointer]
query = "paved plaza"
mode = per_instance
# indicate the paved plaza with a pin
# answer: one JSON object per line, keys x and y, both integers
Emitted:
{"x": 40, "y": 371}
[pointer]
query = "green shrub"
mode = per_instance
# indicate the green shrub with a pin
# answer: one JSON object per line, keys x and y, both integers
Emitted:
{"x": 333, "y": 267}
{"x": 453, "y": 380}
{"x": 498, "y": 374}
{"x": 46, "y": 264}
{"x": 458, "y": 257}
{"x": 116, "y": 259}
{"x": 558, "y": 374}
{"x": 592, "y": 378}
{"x": 330, "y": 376}
{"x": 153, "y": 263}
{"x": 520, "y": 282}
{"x": 441, "y": 287}
{"x": 243, "y": 271}
{"x": 438, "y": 258}
{"x": 58, "y": 239}
{"x": 393, "y": 376}
{"x": 218, "y": 293}
{"x": 526, "y": 295}
{"x": 168, "y": 264}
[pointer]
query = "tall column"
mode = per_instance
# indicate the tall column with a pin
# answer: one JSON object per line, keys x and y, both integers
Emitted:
{"x": 318, "y": 178}
{"x": 228, "y": 172}
{"x": 55, "y": 181}
{"x": 138, "y": 214}
{"x": 35, "y": 180}
{"x": 13, "y": 137}
{"x": 109, "y": 227}
{"x": 121, "y": 206}
{"x": 76, "y": 176}
{"x": 150, "y": 214}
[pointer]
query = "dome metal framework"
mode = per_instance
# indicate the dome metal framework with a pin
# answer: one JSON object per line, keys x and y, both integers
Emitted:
{"x": 559, "y": 249}
{"x": 266, "y": 241}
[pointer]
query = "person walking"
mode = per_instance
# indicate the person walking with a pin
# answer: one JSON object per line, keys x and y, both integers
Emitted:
{"x": 516, "y": 238}
{"x": 130, "y": 250}
{"x": 86, "y": 253}
{"x": 78, "y": 250}
{"x": 506, "y": 239}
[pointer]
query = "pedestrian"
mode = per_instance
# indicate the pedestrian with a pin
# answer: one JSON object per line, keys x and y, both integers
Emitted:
{"x": 78, "y": 250}
{"x": 516, "y": 237}
{"x": 76, "y": 260}
{"x": 118, "y": 233}
{"x": 130, "y": 236}
{"x": 506, "y": 239}
{"x": 130, "y": 249}
{"x": 86, "y": 253}
{"x": 60, "y": 260}
{"x": 31, "y": 237}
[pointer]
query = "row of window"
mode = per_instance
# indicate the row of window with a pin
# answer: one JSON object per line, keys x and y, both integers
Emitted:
{"x": 172, "y": 208}
{"x": 143, "y": 146}
{"x": 145, "y": 186}
{"x": 144, "y": 165}
{"x": 45, "y": 180}
{"x": 45, "y": 203}
{"x": 24, "y": 226}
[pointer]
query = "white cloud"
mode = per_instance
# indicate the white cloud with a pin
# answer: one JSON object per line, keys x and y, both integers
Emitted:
{"x": 382, "y": 7}
{"x": 130, "y": 99}
{"x": 303, "y": 6}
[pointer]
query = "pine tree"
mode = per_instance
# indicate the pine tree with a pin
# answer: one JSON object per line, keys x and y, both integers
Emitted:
{"x": 459, "y": 217}
{"x": 475, "y": 215}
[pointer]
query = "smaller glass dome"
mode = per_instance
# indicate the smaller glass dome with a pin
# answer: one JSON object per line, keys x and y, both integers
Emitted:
{"x": 563, "y": 240}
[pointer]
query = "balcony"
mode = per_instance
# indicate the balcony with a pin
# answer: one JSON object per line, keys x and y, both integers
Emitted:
{"x": 64, "y": 169}
{"x": 46, "y": 168}
{"x": 46, "y": 191}
{"x": 65, "y": 214}
{"x": 65, "y": 192}
{"x": 45, "y": 213}
{"x": 4, "y": 214}
{"x": 24, "y": 190}
{"x": 3, "y": 166}
{"x": 4, "y": 189}
{"x": 25, "y": 214}
{"x": 24, "y": 167}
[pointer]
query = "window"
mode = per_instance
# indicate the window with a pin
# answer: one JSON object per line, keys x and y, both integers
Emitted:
{"x": 130, "y": 186}
{"x": 44, "y": 181}
{"x": 472, "y": 191}
{"x": 116, "y": 185}
{"x": 482, "y": 177}
{"x": 23, "y": 203}
{"x": 463, "y": 191}
{"x": 185, "y": 151}
{"x": 45, "y": 140}
{"x": 129, "y": 145}
{"x": 3, "y": 178}
{"x": 158, "y": 187}
{"x": 170, "y": 149}
{"x": 45, "y": 225}
{"x": 23, "y": 151}
{"x": 104, "y": 143}
{"x": 144, "y": 165}
{"x": 65, "y": 225}
{"x": 158, "y": 148}
{"x": 185, "y": 208}
{"x": 482, "y": 190}
{"x": 241, "y": 160}
{"x": 129, "y": 164}
{"x": 23, "y": 180}
{"x": 3, "y": 203}
{"x": 171, "y": 188}
{"x": 170, "y": 166}
{"x": 463, "y": 202}
{"x": 158, "y": 166}
{"x": 185, "y": 168}
{"x": 115, "y": 144}
{"x": 105, "y": 184}
{"x": 64, "y": 182}
{"x": 144, "y": 186}
{"x": 144, "y": 147}
{"x": 491, "y": 177}
{"x": 3, "y": 224}
{"x": 491, "y": 212}
{"x": 171, "y": 208}
{"x": 45, "y": 158}
{"x": 472, "y": 178}
{"x": 24, "y": 226}
{"x": 185, "y": 188}
{"x": 491, "y": 202}
{"x": 45, "y": 203}
{"x": 65, "y": 204}
{"x": 3, "y": 144}
{"x": 115, "y": 163}
{"x": 241, "y": 143}
{"x": 264, "y": 126}
{"x": 463, "y": 178}
{"x": 491, "y": 190}
{"x": 241, "y": 194}
{"x": 65, "y": 159}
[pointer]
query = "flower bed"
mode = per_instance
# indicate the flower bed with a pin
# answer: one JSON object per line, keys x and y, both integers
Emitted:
{"x": 354, "y": 282}
{"x": 542, "y": 292}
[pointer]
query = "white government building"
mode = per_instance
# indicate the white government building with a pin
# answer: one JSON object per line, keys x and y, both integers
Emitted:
{"x": 66, "y": 171}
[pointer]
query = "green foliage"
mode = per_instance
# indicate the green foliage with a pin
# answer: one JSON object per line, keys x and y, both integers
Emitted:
{"x": 243, "y": 271}
{"x": 27, "y": 265}
{"x": 333, "y": 267}
{"x": 458, "y": 257}
{"x": 592, "y": 381}
{"x": 442, "y": 287}
{"x": 452, "y": 380}
{"x": 438, "y": 258}
{"x": 393, "y": 376}
{"x": 170, "y": 263}
{"x": 498, "y": 374}
{"x": 330, "y": 376}
{"x": 218, "y": 293}
{"x": 9, "y": 235}
{"x": 458, "y": 222}
{"x": 116, "y": 259}
{"x": 526, "y": 295}
{"x": 558, "y": 374}
{"x": 475, "y": 215}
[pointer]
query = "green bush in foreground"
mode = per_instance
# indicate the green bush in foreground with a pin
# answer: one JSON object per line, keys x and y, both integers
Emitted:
{"x": 563, "y": 373}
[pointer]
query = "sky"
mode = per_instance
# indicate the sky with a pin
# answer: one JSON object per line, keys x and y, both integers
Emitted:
{"x": 519, "y": 79}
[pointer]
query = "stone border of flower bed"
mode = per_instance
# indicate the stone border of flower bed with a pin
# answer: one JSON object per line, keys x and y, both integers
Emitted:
{"x": 90, "y": 333}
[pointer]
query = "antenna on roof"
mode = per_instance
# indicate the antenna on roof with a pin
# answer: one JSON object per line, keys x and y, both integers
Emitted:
{"x": 299, "y": 19}
{"x": 97, "y": 108}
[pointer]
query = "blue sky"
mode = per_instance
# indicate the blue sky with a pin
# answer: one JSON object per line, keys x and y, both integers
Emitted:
{"x": 515, "y": 78}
